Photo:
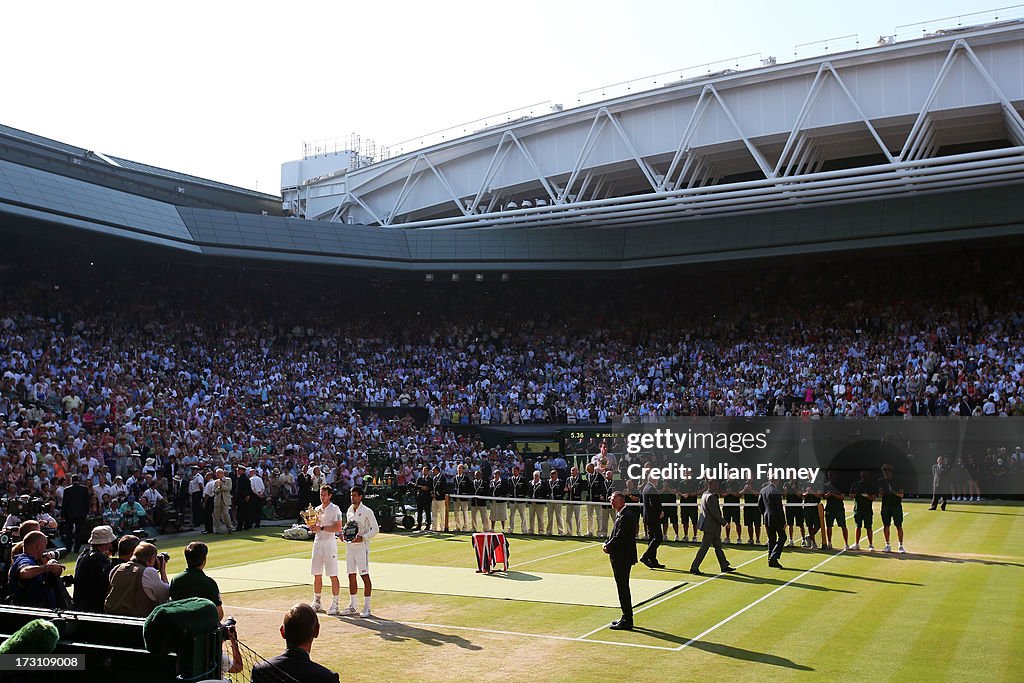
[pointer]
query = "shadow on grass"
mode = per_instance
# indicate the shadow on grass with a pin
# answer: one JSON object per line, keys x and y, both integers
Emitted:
{"x": 396, "y": 632}
{"x": 899, "y": 557}
{"x": 866, "y": 578}
{"x": 723, "y": 650}
{"x": 744, "y": 578}
{"x": 985, "y": 512}
{"x": 514, "y": 576}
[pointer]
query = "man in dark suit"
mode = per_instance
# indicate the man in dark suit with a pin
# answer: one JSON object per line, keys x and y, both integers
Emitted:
{"x": 650, "y": 500}
{"x": 621, "y": 550}
{"x": 710, "y": 521}
{"x": 769, "y": 502}
{"x": 75, "y": 509}
{"x": 243, "y": 494}
{"x": 423, "y": 487}
{"x": 299, "y": 629}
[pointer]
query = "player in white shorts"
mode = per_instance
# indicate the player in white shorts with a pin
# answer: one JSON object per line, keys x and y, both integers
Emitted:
{"x": 358, "y": 553}
{"x": 325, "y": 550}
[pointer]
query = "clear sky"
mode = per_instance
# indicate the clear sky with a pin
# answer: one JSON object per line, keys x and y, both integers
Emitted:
{"x": 230, "y": 90}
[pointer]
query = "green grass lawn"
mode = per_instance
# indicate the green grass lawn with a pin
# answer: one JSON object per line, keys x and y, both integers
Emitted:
{"x": 951, "y": 609}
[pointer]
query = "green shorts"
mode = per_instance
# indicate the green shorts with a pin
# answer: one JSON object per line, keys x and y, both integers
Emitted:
{"x": 892, "y": 515}
{"x": 864, "y": 518}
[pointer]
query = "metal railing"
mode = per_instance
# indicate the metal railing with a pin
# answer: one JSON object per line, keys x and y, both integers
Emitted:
{"x": 668, "y": 78}
{"x": 922, "y": 29}
{"x": 371, "y": 154}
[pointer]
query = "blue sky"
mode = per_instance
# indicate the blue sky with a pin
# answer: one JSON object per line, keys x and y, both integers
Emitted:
{"x": 229, "y": 90}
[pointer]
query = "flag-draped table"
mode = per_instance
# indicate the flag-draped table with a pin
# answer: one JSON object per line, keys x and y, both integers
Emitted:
{"x": 491, "y": 548}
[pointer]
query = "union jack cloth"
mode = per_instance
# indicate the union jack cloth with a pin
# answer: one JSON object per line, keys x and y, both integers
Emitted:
{"x": 491, "y": 549}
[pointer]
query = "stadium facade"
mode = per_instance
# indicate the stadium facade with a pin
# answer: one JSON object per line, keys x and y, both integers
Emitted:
{"x": 907, "y": 143}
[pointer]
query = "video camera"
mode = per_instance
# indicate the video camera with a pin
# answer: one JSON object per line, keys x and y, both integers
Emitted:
{"x": 22, "y": 506}
{"x": 163, "y": 557}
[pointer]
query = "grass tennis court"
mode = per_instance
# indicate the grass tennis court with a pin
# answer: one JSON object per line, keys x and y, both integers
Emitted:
{"x": 950, "y": 609}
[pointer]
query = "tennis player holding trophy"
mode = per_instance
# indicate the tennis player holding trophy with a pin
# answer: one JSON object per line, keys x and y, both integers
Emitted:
{"x": 324, "y": 521}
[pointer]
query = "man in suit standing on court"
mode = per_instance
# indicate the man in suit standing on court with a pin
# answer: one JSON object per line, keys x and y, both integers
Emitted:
{"x": 621, "y": 550}
{"x": 710, "y": 521}
{"x": 769, "y": 502}
{"x": 650, "y": 500}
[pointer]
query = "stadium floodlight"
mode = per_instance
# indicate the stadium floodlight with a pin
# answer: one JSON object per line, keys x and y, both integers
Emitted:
{"x": 455, "y": 277}
{"x": 429, "y": 277}
{"x": 479, "y": 277}
{"x": 504, "y": 277}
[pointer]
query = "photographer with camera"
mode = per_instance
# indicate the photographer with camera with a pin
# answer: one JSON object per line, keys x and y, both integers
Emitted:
{"x": 28, "y": 576}
{"x": 92, "y": 571}
{"x": 136, "y": 587}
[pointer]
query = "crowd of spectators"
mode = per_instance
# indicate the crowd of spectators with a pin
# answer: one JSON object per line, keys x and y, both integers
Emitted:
{"x": 140, "y": 383}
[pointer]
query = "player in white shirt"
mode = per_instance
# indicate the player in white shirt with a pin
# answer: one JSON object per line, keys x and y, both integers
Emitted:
{"x": 358, "y": 554}
{"x": 325, "y": 550}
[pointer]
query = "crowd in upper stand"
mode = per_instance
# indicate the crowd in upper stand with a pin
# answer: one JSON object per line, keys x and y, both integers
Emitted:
{"x": 112, "y": 370}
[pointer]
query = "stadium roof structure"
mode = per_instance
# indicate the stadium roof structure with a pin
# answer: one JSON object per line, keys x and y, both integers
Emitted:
{"x": 36, "y": 201}
{"x": 936, "y": 157}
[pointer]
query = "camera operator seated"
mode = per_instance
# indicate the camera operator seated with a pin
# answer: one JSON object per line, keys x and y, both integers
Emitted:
{"x": 92, "y": 571}
{"x": 138, "y": 586}
{"x": 29, "y": 572}
{"x": 132, "y": 513}
{"x": 18, "y": 510}
{"x": 46, "y": 518}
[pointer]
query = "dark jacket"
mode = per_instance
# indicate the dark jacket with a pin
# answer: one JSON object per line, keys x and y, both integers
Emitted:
{"x": 621, "y": 543}
{"x": 769, "y": 502}
{"x": 92, "y": 580}
{"x": 76, "y": 502}
{"x": 439, "y": 487}
{"x": 709, "y": 516}
{"x": 651, "y": 500}
{"x": 295, "y": 663}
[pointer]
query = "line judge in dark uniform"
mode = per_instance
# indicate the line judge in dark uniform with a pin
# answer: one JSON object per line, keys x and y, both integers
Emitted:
{"x": 621, "y": 550}
{"x": 299, "y": 630}
{"x": 650, "y": 500}
{"x": 769, "y": 502}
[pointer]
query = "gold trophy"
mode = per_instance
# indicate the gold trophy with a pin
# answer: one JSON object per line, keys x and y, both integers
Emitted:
{"x": 311, "y": 516}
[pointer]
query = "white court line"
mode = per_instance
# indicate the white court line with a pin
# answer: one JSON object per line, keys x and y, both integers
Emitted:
{"x": 419, "y": 624}
{"x": 671, "y": 595}
{"x": 564, "y": 552}
{"x": 762, "y": 599}
{"x": 684, "y": 590}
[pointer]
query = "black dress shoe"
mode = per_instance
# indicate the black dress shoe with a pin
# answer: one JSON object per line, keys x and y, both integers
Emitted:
{"x": 943, "y": 507}
{"x": 776, "y": 565}
{"x": 728, "y": 570}
{"x": 645, "y": 562}
{"x": 656, "y": 565}
{"x": 621, "y": 626}
{"x": 696, "y": 572}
